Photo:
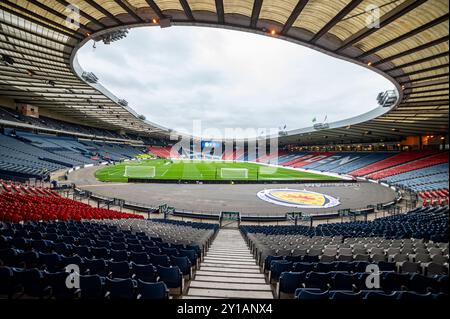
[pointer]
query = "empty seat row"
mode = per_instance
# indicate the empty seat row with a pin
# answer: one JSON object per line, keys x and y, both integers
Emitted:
{"x": 387, "y": 282}
{"x": 34, "y": 283}
{"x": 315, "y": 294}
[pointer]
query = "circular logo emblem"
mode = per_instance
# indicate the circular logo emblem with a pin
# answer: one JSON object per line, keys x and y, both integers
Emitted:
{"x": 297, "y": 198}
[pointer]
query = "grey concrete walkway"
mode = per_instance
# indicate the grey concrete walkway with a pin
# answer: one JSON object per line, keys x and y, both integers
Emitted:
{"x": 229, "y": 271}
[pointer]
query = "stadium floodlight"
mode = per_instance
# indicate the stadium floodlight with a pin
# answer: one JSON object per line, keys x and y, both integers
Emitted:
{"x": 112, "y": 36}
{"x": 89, "y": 77}
{"x": 123, "y": 102}
{"x": 321, "y": 126}
{"x": 387, "y": 99}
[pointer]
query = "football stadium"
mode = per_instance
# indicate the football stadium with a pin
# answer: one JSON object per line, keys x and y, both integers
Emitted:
{"x": 99, "y": 202}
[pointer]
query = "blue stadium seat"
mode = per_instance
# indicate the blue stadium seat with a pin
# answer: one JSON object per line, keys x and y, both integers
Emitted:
{"x": 121, "y": 289}
{"x": 290, "y": 281}
{"x": 140, "y": 258}
{"x": 345, "y": 295}
{"x": 147, "y": 273}
{"x": 309, "y": 294}
{"x": 118, "y": 255}
{"x": 171, "y": 276}
{"x": 318, "y": 280}
{"x": 277, "y": 267}
{"x": 184, "y": 264}
{"x": 119, "y": 269}
{"x": 154, "y": 290}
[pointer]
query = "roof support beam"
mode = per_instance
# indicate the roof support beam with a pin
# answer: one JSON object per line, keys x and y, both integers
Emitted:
{"x": 428, "y": 84}
{"x": 429, "y": 58}
{"x": 257, "y": 4}
{"x": 410, "y": 92}
{"x": 220, "y": 11}
{"x": 294, "y": 15}
{"x": 93, "y": 4}
{"x": 436, "y": 67}
{"x": 129, "y": 10}
{"x": 56, "y": 13}
{"x": 39, "y": 64}
{"x": 412, "y": 97}
{"x": 7, "y": 35}
{"x": 40, "y": 60}
{"x": 32, "y": 84}
{"x": 84, "y": 14}
{"x": 17, "y": 73}
{"x": 391, "y": 16}
{"x": 155, "y": 8}
{"x": 346, "y": 10}
{"x": 46, "y": 55}
{"x": 430, "y": 103}
{"x": 436, "y": 76}
{"x": 413, "y": 50}
{"x": 24, "y": 66}
{"x": 187, "y": 10}
{"x": 39, "y": 35}
{"x": 406, "y": 35}
{"x": 57, "y": 27}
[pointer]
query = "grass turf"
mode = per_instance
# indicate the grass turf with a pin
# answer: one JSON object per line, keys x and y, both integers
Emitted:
{"x": 201, "y": 170}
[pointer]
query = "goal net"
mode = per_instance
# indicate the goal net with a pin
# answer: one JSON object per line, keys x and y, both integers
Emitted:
{"x": 139, "y": 171}
{"x": 233, "y": 173}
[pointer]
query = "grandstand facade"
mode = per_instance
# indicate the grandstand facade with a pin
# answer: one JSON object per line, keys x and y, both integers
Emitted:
{"x": 56, "y": 118}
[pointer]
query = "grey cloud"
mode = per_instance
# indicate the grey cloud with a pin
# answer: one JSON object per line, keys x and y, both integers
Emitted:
{"x": 229, "y": 79}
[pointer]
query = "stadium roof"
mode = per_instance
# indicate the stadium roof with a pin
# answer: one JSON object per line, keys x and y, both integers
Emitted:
{"x": 410, "y": 47}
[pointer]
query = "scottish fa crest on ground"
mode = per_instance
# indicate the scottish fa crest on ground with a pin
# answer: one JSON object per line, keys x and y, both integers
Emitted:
{"x": 298, "y": 198}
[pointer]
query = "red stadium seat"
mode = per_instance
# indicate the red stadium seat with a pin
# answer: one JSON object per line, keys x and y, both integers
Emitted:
{"x": 42, "y": 204}
{"x": 398, "y": 159}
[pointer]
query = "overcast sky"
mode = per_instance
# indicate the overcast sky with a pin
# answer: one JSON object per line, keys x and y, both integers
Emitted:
{"x": 229, "y": 79}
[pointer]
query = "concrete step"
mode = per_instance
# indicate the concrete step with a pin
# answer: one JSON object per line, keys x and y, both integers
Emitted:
{"x": 203, "y": 272}
{"x": 230, "y": 279}
{"x": 228, "y": 261}
{"x": 226, "y": 265}
{"x": 217, "y": 257}
{"x": 228, "y": 255}
{"x": 198, "y": 297}
{"x": 218, "y": 293}
{"x": 230, "y": 286}
{"x": 227, "y": 269}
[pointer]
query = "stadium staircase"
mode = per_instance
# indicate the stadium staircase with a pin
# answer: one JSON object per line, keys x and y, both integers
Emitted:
{"x": 229, "y": 271}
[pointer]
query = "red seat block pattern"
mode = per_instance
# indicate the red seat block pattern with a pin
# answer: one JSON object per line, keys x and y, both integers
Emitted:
{"x": 395, "y": 160}
{"x": 305, "y": 160}
{"x": 421, "y": 163}
{"x": 163, "y": 152}
{"x": 39, "y": 204}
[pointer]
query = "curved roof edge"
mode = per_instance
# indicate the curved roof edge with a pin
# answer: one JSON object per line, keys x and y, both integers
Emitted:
{"x": 372, "y": 114}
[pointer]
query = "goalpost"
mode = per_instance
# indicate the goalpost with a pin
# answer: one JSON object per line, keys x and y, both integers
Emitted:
{"x": 140, "y": 171}
{"x": 233, "y": 173}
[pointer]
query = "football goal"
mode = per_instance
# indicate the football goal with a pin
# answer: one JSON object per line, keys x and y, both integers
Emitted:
{"x": 233, "y": 173}
{"x": 140, "y": 171}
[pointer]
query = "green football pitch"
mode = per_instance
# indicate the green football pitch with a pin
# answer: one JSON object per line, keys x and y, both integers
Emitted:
{"x": 201, "y": 171}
